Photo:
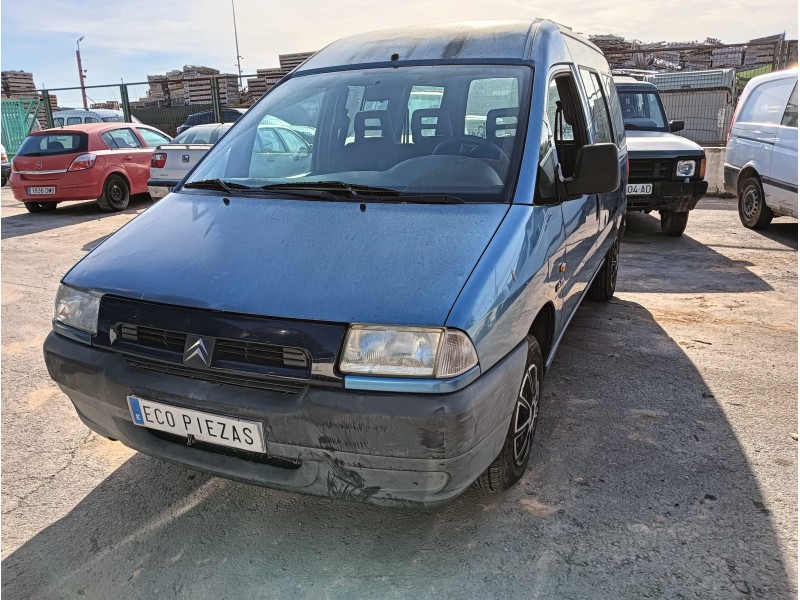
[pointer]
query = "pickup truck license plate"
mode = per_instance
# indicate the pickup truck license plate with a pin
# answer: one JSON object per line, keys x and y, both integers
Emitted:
{"x": 203, "y": 426}
{"x": 640, "y": 189}
{"x": 41, "y": 191}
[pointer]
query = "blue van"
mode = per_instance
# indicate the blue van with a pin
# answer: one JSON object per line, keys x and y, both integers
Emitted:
{"x": 375, "y": 324}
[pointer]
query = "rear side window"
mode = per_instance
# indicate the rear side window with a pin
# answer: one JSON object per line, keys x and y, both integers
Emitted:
{"x": 54, "y": 143}
{"x": 73, "y": 121}
{"x": 152, "y": 138}
{"x": 91, "y": 120}
{"x": 597, "y": 107}
{"x": 114, "y": 119}
{"x": 58, "y": 122}
{"x": 614, "y": 107}
{"x": 790, "y": 115}
{"x": 124, "y": 138}
{"x": 767, "y": 103}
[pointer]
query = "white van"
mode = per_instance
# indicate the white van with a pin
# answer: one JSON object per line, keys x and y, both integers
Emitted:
{"x": 761, "y": 159}
{"x": 92, "y": 115}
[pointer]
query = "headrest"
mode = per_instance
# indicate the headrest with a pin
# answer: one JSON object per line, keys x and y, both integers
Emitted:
{"x": 510, "y": 117}
{"x": 430, "y": 119}
{"x": 373, "y": 120}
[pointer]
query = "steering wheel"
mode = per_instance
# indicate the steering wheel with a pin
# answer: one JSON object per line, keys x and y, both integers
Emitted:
{"x": 472, "y": 146}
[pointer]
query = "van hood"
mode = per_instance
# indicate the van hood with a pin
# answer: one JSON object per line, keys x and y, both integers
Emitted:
{"x": 656, "y": 144}
{"x": 399, "y": 264}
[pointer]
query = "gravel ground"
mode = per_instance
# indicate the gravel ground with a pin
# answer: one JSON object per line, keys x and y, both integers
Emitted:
{"x": 664, "y": 464}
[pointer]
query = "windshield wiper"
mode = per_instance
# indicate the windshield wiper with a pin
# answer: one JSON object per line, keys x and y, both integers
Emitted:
{"x": 428, "y": 199}
{"x": 216, "y": 184}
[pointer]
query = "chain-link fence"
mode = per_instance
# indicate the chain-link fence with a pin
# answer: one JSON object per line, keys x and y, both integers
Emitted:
{"x": 162, "y": 102}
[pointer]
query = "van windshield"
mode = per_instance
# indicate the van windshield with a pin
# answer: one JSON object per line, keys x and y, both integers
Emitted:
{"x": 406, "y": 131}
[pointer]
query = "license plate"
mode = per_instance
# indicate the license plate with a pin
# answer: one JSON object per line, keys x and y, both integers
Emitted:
{"x": 41, "y": 191}
{"x": 202, "y": 426}
{"x": 640, "y": 189}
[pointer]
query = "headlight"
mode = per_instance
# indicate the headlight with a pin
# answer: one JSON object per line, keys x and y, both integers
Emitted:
{"x": 77, "y": 309}
{"x": 685, "y": 168}
{"x": 407, "y": 352}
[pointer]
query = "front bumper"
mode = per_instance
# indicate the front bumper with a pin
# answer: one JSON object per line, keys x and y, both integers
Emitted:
{"x": 670, "y": 195}
{"x": 368, "y": 446}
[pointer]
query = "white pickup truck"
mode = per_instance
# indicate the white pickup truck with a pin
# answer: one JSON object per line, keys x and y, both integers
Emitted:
{"x": 171, "y": 162}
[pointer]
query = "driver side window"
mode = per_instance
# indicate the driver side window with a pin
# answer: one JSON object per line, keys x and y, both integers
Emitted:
{"x": 566, "y": 120}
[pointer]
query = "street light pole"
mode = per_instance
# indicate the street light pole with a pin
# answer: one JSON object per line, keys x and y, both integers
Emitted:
{"x": 236, "y": 37}
{"x": 81, "y": 74}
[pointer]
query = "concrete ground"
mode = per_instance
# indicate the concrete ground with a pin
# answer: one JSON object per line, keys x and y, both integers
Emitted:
{"x": 664, "y": 464}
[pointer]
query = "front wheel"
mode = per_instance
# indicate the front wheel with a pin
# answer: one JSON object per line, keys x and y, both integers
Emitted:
{"x": 753, "y": 211}
{"x": 673, "y": 223}
{"x": 605, "y": 282}
{"x": 38, "y": 207}
{"x": 116, "y": 194}
{"x": 509, "y": 467}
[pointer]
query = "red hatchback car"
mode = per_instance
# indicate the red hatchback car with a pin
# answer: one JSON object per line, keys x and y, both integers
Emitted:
{"x": 106, "y": 161}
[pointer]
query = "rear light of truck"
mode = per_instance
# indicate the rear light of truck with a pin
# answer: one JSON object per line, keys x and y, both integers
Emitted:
{"x": 83, "y": 162}
{"x": 3, "y": 156}
{"x": 158, "y": 160}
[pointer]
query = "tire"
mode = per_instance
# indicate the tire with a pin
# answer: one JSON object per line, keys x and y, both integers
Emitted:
{"x": 512, "y": 462}
{"x": 605, "y": 282}
{"x": 116, "y": 194}
{"x": 673, "y": 223}
{"x": 39, "y": 207}
{"x": 753, "y": 211}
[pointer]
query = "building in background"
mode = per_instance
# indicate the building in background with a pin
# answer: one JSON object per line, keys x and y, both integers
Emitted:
{"x": 190, "y": 85}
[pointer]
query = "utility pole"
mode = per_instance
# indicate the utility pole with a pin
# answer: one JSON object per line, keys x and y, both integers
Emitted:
{"x": 81, "y": 74}
{"x": 236, "y": 37}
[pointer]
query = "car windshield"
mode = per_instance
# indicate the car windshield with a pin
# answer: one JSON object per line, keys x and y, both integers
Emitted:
{"x": 447, "y": 131}
{"x": 642, "y": 110}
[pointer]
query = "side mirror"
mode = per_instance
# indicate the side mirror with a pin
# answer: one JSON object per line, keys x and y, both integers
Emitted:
{"x": 675, "y": 126}
{"x": 596, "y": 171}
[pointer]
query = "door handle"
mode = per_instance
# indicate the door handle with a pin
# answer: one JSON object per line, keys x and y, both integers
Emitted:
{"x": 127, "y": 157}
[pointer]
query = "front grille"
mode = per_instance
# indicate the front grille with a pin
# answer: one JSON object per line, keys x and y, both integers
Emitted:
{"x": 650, "y": 170}
{"x": 150, "y": 337}
{"x": 227, "y": 378}
{"x": 233, "y": 362}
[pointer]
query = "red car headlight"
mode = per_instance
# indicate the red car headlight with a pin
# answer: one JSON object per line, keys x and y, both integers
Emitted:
{"x": 83, "y": 162}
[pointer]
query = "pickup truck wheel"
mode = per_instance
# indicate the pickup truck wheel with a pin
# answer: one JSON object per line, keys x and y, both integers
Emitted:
{"x": 673, "y": 223}
{"x": 753, "y": 211}
{"x": 116, "y": 194}
{"x": 37, "y": 207}
{"x": 605, "y": 282}
{"x": 509, "y": 467}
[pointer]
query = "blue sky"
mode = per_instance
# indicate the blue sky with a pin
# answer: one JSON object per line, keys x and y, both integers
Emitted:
{"x": 134, "y": 38}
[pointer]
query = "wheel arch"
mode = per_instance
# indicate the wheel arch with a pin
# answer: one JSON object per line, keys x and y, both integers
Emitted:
{"x": 543, "y": 328}
{"x": 749, "y": 170}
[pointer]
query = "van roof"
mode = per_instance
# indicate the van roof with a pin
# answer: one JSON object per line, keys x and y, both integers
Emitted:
{"x": 470, "y": 40}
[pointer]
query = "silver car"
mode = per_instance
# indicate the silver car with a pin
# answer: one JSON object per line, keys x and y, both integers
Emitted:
{"x": 761, "y": 158}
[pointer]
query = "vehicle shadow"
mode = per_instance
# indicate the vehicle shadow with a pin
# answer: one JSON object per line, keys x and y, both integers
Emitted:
{"x": 783, "y": 232}
{"x": 638, "y": 487}
{"x": 67, "y": 213}
{"x": 648, "y": 264}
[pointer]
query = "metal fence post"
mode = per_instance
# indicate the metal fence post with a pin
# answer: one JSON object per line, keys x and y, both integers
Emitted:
{"x": 126, "y": 105}
{"x": 215, "y": 102}
{"x": 48, "y": 110}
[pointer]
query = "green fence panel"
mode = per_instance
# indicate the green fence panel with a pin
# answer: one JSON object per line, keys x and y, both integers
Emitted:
{"x": 18, "y": 117}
